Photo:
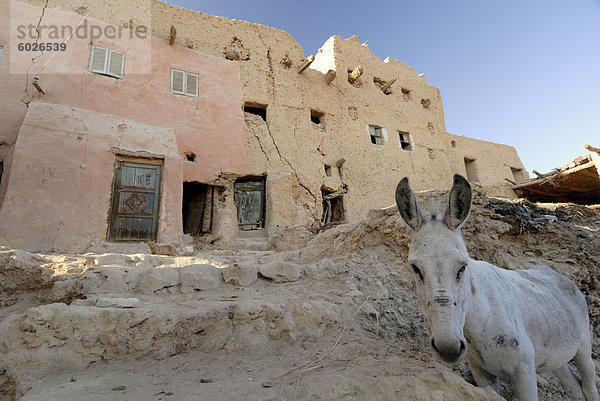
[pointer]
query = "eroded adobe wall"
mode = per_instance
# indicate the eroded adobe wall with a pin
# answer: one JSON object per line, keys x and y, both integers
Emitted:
{"x": 292, "y": 151}
{"x": 61, "y": 180}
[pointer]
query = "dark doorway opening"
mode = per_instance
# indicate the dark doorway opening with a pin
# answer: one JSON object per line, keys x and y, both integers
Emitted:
{"x": 333, "y": 207}
{"x": 197, "y": 208}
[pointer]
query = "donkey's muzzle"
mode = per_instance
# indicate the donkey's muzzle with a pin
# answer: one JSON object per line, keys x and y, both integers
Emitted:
{"x": 449, "y": 351}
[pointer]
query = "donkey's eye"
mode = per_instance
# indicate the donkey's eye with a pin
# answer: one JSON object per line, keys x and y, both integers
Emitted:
{"x": 416, "y": 270}
{"x": 462, "y": 269}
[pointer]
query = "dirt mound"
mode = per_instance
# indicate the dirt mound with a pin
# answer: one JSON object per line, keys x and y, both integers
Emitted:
{"x": 235, "y": 324}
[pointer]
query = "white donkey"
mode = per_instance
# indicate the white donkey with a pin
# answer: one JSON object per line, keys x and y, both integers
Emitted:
{"x": 509, "y": 324}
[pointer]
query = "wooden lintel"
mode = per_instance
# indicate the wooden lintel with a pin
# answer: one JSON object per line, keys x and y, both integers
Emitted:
{"x": 387, "y": 85}
{"x": 305, "y": 64}
{"x": 173, "y": 35}
{"x": 330, "y": 76}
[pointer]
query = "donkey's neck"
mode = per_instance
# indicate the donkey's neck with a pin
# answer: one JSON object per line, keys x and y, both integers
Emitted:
{"x": 489, "y": 293}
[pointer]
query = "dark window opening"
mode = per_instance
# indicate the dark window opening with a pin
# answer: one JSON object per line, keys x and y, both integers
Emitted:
{"x": 471, "y": 170}
{"x": 376, "y": 134}
{"x": 405, "y": 141}
{"x": 333, "y": 207}
{"x": 406, "y": 94}
{"x": 316, "y": 117}
{"x": 519, "y": 174}
{"x": 190, "y": 156}
{"x": 197, "y": 208}
{"x": 327, "y": 170}
{"x": 256, "y": 109}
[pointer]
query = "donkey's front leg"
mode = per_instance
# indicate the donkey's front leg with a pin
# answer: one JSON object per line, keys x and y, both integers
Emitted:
{"x": 525, "y": 381}
{"x": 484, "y": 378}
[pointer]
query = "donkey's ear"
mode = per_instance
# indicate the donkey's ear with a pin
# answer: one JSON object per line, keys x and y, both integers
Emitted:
{"x": 407, "y": 205}
{"x": 459, "y": 203}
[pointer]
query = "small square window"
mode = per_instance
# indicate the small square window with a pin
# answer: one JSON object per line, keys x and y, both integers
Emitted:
{"x": 316, "y": 117}
{"x": 107, "y": 62}
{"x": 256, "y": 109}
{"x": 184, "y": 83}
{"x": 376, "y": 134}
{"x": 405, "y": 141}
{"x": 406, "y": 94}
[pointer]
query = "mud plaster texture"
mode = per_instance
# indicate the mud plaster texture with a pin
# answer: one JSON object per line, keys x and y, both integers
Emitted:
{"x": 340, "y": 321}
{"x": 295, "y": 151}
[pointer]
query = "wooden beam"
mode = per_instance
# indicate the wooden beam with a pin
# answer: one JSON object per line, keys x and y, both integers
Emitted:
{"x": 591, "y": 148}
{"x": 305, "y": 64}
{"x": 355, "y": 74}
{"x": 385, "y": 87}
{"x": 173, "y": 35}
{"x": 330, "y": 76}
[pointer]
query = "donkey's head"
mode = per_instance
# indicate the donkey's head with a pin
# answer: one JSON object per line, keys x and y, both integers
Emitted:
{"x": 439, "y": 260}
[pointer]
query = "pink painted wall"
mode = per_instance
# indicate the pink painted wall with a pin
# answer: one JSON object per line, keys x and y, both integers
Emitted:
{"x": 47, "y": 201}
{"x": 211, "y": 125}
{"x": 61, "y": 181}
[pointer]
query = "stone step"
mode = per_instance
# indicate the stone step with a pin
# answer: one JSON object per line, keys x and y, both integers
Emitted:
{"x": 58, "y": 337}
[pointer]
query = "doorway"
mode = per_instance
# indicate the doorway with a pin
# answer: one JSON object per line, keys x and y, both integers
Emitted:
{"x": 197, "y": 208}
{"x": 135, "y": 200}
{"x": 250, "y": 202}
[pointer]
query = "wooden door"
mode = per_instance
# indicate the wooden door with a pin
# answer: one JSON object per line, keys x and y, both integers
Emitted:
{"x": 250, "y": 201}
{"x": 136, "y": 195}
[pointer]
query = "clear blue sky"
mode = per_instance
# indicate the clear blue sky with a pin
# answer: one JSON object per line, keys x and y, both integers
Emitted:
{"x": 519, "y": 72}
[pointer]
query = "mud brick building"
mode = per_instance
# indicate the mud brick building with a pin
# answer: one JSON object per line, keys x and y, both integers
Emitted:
{"x": 209, "y": 125}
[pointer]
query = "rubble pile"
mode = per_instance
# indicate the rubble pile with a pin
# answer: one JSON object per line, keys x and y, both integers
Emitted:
{"x": 239, "y": 324}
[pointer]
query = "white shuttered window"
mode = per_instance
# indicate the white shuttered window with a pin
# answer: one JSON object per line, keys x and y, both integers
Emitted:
{"x": 184, "y": 83}
{"x": 107, "y": 62}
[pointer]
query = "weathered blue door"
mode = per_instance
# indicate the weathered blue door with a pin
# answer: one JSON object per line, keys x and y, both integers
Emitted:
{"x": 250, "y": 201}
{"x": 136, "y": 194}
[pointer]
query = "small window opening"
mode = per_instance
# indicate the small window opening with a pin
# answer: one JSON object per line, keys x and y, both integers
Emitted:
{"x": 333, "y": 207}
{"x": 256, "y": 109}
{"x": 197, "y": 208}
{"x": 519, "y": 174}
{"x": 316, "y": 117}
{"x": 190, "y": 156}
{"x": 471, "y": 170}
{"x": 425, "y": 103}
{"x": 354, "y": 75}
{"x": 376, "y": 134}
{"x": 405, "y": 141}
{"x": 406, "y": 94}
{"x": 327, "y": 170}
{"x": 453, "y": 143}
